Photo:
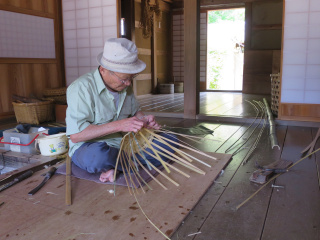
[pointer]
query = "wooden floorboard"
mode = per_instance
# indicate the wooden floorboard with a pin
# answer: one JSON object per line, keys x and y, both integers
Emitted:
{"x": 214, "y": 216}
{"x": 290, "y": 213}
{"x": 95, "y": 210}
{"x": 210, "y": 103}
{"x": 294, "y": 211}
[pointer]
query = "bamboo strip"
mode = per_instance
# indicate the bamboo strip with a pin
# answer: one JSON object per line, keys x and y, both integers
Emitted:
{"x": 197, "y": 151}
{"x": 128, "y": 171}
{"x": 192, "y": 138}
{"x": 273, "y": 135}
{"x": 172, "y": 147}
{"x": 125, "y": 177}
{"x": 121, "y": 147}
{"x": 170, "y": 165}
{"x": 159, "y": 158}
{"x": 149, "y": 218}
{"x": 155, "y": 179}
{"x": 173, "y": 133}
{"x": 179, "y": 160}
{"x": 164, "y": 175}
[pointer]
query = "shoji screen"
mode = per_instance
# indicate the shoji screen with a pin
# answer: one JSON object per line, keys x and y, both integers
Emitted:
{"x": 301, "y": 52}
{"x": 86, "y": 25}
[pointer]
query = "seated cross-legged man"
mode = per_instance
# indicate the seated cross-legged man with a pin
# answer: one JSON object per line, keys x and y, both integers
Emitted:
{"x": 102, "y": 108}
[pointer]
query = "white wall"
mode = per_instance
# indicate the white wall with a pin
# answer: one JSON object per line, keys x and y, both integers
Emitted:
{"x": 301, "y": 52}
{"x": 87, "y": 24}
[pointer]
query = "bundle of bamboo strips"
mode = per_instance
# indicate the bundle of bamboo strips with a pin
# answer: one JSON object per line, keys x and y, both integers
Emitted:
{"x": 136, "y": 144}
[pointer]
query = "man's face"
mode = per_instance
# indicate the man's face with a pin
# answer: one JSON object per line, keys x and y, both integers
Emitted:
{"x": 116, "y": 81}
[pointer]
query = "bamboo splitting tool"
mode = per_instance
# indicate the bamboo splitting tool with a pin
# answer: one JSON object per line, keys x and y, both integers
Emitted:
{"x": 68, "y": 181}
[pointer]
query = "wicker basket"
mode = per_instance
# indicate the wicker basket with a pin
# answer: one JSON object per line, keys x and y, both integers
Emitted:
{"x": 58, "y": 99}
{"x": 57, "y": 94}
{"x": 54, "y": 91}
{"x": 34, "y": 113}
{"x": 275, "y": 92}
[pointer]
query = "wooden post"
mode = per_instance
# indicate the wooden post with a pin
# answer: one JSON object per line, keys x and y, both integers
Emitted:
{"x": 191, "y": 56}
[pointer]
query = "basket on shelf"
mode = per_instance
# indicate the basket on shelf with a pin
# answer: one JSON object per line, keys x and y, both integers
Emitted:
{"x": 275, "y": 92}
{"x": 57, "y": 94}
{"x": 34, "y": 113}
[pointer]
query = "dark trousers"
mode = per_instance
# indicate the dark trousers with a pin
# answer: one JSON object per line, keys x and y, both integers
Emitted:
{"x": 97, "y": 157}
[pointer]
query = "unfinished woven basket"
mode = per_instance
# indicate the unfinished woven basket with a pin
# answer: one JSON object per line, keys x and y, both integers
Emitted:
{"x": 34, "y": 113}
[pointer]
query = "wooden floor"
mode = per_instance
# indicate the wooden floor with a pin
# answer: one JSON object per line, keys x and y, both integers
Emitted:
{"x": 211, "y": 103}
{"x": 290, "y": 212}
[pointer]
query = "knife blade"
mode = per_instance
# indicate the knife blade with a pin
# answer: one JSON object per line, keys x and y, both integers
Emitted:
{"x": 16, "y": 180}
{"x": 47, "y": 176}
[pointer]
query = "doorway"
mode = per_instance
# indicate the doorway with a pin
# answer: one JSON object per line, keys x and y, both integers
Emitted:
{"x": 225, "y": 49}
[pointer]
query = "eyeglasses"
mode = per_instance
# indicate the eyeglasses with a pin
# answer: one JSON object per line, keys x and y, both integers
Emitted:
{"x": 124, "y": 81}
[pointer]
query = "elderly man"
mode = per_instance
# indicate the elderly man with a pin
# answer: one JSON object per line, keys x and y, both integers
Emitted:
{"x": 102, "y": 107}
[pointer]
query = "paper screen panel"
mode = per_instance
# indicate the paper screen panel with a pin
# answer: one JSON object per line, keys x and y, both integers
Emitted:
{"x": 26, "y": 36}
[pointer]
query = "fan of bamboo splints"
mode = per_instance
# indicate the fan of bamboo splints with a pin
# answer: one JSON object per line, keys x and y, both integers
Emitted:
{"x": 134, "y": 144}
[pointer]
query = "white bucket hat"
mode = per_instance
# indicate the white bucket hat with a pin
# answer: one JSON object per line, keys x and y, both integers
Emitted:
{"x": 120, "y": 55}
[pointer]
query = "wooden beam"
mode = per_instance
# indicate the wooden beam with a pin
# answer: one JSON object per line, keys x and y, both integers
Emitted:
{"x": 299, "y": 112}
{"x": 191, "y": 50}
{"x": 248, "y": 17}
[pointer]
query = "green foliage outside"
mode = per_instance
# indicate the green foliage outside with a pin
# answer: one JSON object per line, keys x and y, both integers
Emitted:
{"x": 216, "y": 57}
{"x": 225, "y": 15}
{"x": 215, "y": 64}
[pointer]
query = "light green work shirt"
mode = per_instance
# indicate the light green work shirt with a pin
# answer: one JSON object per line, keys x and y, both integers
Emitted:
{"x": 90, "y": 102}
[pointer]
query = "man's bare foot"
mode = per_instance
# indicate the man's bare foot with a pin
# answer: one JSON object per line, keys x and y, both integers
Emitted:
{"x": 107, "y": 176}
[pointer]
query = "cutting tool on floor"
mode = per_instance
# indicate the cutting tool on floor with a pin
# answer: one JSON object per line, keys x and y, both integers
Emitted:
{"x": 16, "y": 180}
{"x": 47, "y": 176}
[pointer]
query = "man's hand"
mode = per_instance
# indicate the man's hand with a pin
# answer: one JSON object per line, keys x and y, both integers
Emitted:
{"x": 133, "y": 124}
{"x": 150, "y": 122}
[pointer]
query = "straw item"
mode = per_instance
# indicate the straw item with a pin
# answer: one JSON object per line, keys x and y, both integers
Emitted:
{"x": 34, "y": 113}
{"x": 54, "y": 91}
{"x": 57, "y": 94}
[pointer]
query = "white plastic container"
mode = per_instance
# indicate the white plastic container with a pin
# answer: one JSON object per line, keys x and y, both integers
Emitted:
{"x": 12, "y": 136}
{"x": 53, "y": 144}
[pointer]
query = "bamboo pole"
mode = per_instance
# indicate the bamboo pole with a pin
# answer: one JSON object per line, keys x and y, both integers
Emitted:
{"x": 274, "y": 177}
{"x": 68, "y": 181}
{"x": 273, "y": 135}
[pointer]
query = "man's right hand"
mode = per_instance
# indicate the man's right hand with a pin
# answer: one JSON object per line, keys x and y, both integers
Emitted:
{"x": 132, "y": 124}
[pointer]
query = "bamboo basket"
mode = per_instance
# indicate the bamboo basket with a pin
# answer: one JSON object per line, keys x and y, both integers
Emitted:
{"x": 275, "y": 92}
{"x": 57, "y": 94}
{"x": 34, "y": 113}
{"x": 54, "y": 91}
